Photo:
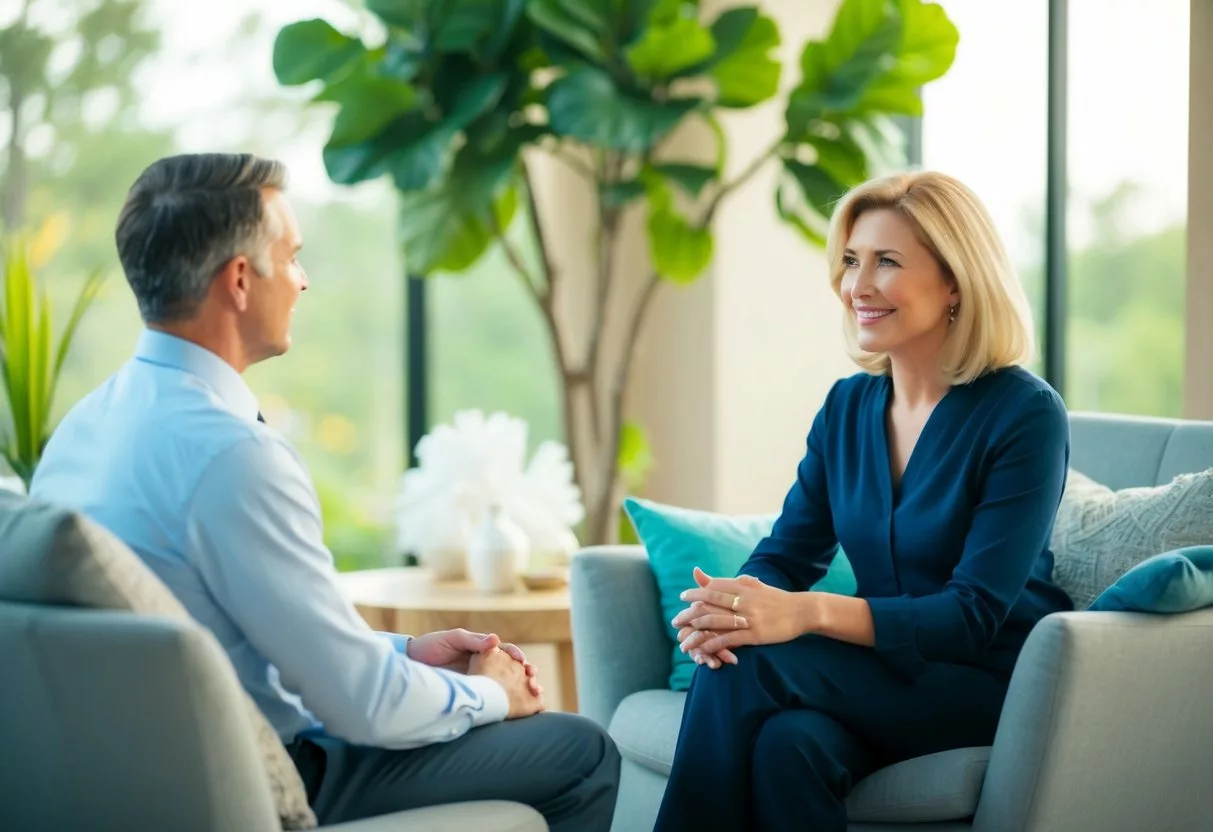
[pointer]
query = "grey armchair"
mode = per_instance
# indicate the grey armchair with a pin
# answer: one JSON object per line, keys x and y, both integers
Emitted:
{"x": 116, "y": 721}
{"x": 1106, "y": 725}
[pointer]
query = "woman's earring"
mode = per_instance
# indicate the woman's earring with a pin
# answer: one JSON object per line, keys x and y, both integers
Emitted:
{"x": 951, "y": 314}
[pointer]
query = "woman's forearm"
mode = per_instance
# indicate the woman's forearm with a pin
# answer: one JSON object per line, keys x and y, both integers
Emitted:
{"x": 840, "y": 617}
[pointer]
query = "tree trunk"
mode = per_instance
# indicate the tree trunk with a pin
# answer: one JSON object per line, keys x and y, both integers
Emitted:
{"x": 16, "y": 186}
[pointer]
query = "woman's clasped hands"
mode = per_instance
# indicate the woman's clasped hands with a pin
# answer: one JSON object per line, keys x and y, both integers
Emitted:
{"x": 726, "y": 613}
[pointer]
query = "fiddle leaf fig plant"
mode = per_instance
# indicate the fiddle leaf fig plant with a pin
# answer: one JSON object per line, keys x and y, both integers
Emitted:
{"x": 454, "y": 100}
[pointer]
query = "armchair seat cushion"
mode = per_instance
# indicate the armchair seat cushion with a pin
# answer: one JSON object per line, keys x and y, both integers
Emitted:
{"x": 936, "y": 787}
{"x": 483, "y": 816}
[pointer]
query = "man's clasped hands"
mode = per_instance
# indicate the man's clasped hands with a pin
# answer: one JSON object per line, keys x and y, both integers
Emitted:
{"x": 480, "y": 654}
{"x": 726, "y": 613}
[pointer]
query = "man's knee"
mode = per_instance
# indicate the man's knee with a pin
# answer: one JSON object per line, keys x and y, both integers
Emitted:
{"x": 580, "y": 746}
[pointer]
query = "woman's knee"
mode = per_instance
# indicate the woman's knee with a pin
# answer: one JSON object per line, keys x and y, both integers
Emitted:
{"x": 792, "y": 739}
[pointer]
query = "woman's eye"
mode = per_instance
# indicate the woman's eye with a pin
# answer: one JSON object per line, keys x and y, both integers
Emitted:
{"x": 850, "y": 262}
{"x": 885, "y": 261}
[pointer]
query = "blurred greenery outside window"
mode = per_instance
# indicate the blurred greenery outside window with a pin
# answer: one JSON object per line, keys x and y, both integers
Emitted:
{"x": 1127, "y": 158}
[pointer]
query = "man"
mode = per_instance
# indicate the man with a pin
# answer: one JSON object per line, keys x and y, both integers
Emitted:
{"x": 172, "y": 455}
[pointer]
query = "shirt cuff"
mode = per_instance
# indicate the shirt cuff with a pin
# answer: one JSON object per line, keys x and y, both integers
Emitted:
{"x": 399, "y": 642}
{"x": 496, "y": 701}
{"x": 896, "y": 629}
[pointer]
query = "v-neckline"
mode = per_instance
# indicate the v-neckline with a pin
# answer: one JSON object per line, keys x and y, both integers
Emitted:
{"x": 895, "y": 492}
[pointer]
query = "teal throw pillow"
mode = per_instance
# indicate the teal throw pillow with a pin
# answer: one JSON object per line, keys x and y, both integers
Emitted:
{"x": 679, "y": 539}
{"x": 1176, "y": 581}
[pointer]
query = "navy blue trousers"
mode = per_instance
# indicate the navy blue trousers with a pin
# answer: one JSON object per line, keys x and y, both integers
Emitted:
{"x": 777, "y": 741}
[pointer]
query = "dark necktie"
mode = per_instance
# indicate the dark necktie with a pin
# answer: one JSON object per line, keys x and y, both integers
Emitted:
{"x": 260, "y": 418}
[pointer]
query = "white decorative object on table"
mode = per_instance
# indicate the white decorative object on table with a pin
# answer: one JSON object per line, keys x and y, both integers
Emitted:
{"x": 498, "y": 553}
{"x": 475, "y": 463}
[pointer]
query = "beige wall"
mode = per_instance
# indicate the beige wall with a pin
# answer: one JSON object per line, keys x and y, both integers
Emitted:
{"x": 1198, "y": 370}
{"x": 732, "y": 369}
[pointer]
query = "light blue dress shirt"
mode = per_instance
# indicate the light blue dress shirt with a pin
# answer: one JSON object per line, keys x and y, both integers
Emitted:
{"x": 169, "y": 456}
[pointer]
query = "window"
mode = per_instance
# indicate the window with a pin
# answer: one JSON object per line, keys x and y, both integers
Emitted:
{"x": 986, "y": 123}
{"x": 1126, "y": 158}
{"x": 489, "y": 347}
{"x": 1128, "y": 174}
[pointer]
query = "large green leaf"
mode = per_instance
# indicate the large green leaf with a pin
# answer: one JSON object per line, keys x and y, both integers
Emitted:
{"x": 862, "y": 28}
{"x": 587, "y": 105}
{"x": 665, "y": 50}
{"x": 881, "y": 140}
{"x": 593, "y": 14}
{"x": 805, "y": 198}
{"x": 462, "y": 25}
{"x": 369, "y": 103}
{"x": 841, "y": 157}
{"x": 928, "y": 47}
{"x": 443, "y": 234}
{"x": 406, "y": 14}
{"x": 313, "y": 50}
{"x": 552, "y": 17}
{"x": 926, "y": 52}
{"x": 413, "y": 149}
{"x": 619, "y": 194}
{"x": 635, "y": 455}
{"x": 691, "y": 178}
{"x": 449, "y": 227}
{"x": 505, "y": 27}
{"x": 746, "y": 73}
{"x": 820, "y": 188}
{"x": 679, "y": 251}
{"x": 861, "y": 47}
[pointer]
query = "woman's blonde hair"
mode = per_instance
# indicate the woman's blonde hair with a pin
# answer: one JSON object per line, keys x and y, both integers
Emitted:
{"x": 993, "y": 326}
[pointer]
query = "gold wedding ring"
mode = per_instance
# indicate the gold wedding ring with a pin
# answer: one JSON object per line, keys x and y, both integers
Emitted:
{"x": 736, "y": 622}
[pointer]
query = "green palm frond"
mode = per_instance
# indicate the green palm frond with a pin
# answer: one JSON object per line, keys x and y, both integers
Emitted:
{"x": 27, "y": 371}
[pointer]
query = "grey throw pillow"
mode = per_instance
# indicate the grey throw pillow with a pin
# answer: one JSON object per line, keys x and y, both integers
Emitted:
{"x": 1100, "y": 534}
{"x": 55, "y": 556}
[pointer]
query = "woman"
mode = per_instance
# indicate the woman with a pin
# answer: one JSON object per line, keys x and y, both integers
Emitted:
{"x": 939, "y": 472}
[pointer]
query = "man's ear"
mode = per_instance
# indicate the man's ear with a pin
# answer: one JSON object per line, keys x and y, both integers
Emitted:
{"x": 233, "y": 282}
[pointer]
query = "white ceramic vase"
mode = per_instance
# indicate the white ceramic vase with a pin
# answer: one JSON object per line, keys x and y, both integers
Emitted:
{"x": 497, "y": 554}
{"x": 446, "y": 551}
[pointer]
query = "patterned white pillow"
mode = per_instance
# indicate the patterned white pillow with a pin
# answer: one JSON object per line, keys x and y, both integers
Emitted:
{"x": 54, "y": 556}
{"x": 1100, "y": 534}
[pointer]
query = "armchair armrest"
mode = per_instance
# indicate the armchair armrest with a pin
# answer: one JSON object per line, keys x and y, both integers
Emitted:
{"x": 619, "y": 641}
{"x": 1106, "y": 726}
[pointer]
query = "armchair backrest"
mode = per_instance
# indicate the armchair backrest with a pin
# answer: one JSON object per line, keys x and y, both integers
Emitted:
{"x": 112, "y": 720}
{"x": 1126, "y": 451}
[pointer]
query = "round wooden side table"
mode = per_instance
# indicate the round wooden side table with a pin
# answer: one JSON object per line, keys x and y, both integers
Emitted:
{"x": 407, "y": 600}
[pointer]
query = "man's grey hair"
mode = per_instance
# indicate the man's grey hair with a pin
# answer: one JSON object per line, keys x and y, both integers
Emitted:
{"x": 185, "y": 218}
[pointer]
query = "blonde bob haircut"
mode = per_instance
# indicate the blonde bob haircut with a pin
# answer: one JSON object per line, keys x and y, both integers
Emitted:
{"x": 993, "y": 326}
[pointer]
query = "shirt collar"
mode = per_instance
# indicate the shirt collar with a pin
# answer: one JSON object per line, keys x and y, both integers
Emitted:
{"x": 157, "y": 347}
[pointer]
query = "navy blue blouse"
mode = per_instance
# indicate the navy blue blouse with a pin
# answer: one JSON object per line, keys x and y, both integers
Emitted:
{"x": 955, "y": 562}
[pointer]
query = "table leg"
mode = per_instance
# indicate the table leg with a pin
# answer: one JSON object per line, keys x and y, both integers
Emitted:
{"x": 568, "y": 677}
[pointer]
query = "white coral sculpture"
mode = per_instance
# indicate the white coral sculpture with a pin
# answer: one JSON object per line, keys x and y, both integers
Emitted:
{"x": 476, "y": 462}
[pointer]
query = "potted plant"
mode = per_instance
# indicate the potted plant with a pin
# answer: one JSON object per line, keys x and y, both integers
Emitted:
{"x": 30, "y": 360}
{"x": 458, "y": 100}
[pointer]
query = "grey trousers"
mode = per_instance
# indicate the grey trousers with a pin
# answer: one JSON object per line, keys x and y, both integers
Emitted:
{"x": 564, "y": 766}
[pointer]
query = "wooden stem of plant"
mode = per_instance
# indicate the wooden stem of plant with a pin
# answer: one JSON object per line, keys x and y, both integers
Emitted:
{"x": 596, "y": 462}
